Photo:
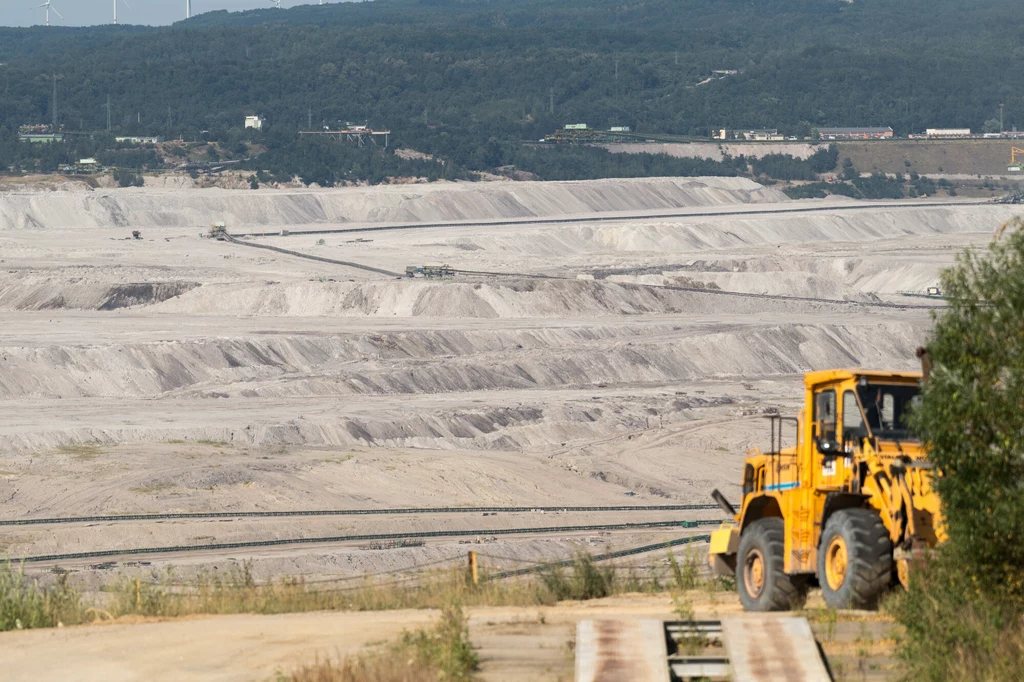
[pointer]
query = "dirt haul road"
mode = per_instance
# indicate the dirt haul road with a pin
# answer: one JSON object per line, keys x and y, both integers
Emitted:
{"x": 175, "y": 373}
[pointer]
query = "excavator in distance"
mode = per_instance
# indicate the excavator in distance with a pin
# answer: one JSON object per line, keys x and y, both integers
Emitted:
{"x": 850, "y": 505}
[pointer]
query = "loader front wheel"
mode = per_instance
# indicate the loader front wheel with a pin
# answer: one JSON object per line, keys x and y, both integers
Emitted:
{"x": 761, "y": 580}
{"x": 854, "y": 559}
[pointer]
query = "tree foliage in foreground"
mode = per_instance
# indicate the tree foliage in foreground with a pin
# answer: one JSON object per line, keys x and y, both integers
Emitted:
{"x": 963, "y": 613}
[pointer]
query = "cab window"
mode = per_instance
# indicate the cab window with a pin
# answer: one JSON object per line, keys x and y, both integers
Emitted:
{"x": 887, "y": 408}
{"x": 853, "y": 420}
{"x": 825, "y": 414}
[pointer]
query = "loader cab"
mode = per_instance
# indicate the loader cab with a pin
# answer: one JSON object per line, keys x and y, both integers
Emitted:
{"x": 851, "y": 412}
{"x": 850, "y": 408}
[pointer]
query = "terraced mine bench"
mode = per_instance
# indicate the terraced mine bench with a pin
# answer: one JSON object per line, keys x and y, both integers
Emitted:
{"x": 752, "y": 649}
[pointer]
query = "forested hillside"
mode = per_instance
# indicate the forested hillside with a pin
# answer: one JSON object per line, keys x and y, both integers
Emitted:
{"x": 469, "y": 79}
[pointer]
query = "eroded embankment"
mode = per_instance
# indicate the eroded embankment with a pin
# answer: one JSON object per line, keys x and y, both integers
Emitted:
{"x": 495, "y": 299}
{"x": 407, "y": 203}
{"x": 539, "y": 424}
{"x": 695, "y": 235}
{"x": 50, "y": 293}
{"x": 428, "y": 362}
{"x": 843, "y": 278}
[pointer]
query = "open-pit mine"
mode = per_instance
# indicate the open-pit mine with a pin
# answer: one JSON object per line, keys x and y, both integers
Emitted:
{"x": 623, "y": 350}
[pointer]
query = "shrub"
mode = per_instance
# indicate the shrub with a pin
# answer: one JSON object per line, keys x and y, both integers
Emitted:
{"x": 587, "y": 580}
{"x": 971, "y": 414}
{"x": 963, "y": 611}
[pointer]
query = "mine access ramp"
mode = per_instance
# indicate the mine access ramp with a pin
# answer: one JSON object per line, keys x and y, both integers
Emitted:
{"x": 761, "y": 649}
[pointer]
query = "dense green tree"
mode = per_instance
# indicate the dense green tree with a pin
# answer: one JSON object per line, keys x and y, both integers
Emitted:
{"x": 973, "y": 412}
{"x": 464, "y": 79}
{"x": 963, "y": 613}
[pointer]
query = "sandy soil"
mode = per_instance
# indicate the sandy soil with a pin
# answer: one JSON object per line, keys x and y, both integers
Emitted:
{"x": 175, "y": 373}
{"x": 513, "y": 643}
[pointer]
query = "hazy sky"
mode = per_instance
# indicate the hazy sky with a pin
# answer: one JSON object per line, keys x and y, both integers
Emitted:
{"x": 90, "y": 12}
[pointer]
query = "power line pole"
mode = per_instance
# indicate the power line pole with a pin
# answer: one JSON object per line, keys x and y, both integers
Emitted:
{"x": 1000, "y": 119}
{"x": 551, "y": 101}
{"x": 616, "y": 67}
{"x": 54, "y": 112}
{"x": 310, "y": 117}
{"x": 108, "y": 113}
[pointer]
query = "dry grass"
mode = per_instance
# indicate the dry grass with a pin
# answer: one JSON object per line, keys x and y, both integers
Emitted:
{"x": 25, "y": 603}
{"x": 238, "y": 592}
{"x": 80, "y": 452}
{"x": 442, "y": 652}
{"x": 362, "y": 669}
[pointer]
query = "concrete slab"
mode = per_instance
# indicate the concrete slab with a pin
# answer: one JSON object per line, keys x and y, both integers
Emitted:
{"x": 773, "y": 649}
{"x": 621, "y": 651}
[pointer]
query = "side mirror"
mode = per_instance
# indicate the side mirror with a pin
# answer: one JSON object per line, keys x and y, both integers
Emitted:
{"x": 828, "y": 447}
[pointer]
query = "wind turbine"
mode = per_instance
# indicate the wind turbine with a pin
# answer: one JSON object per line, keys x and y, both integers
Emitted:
{"x": 188, "y": 9}
{"x": 115, "y": 8}
{"x": 47, "y": 6}
{"x": 276, "y": 3}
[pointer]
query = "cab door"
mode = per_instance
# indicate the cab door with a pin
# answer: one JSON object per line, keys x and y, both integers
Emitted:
{"x": 826, "y": 445}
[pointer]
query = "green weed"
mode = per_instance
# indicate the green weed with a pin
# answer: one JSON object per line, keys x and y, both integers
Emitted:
{"x": 24, "y": 603}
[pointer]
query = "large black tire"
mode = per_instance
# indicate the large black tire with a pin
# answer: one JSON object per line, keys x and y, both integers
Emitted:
{"x": 761, "y": 581}
{"x": 854, "y": 559}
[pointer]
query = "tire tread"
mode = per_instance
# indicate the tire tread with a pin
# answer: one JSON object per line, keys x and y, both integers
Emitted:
{"x": 786, "y": 591}
{"x": 869, "y": 561}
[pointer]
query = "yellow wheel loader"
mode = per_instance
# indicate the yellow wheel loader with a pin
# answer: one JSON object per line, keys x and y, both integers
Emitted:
{"x": 849, "y": 505}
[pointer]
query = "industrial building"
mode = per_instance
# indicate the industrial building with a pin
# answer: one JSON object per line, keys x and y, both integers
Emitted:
{"x": 759, "y": 135}
{"x": 255, "y": 122}
{"x": 855, "y": 133}
{"x": 359, "y": 134}
{"x": 138, "y": 140}
{"x": 41, "y": 138}
{"x": 948, "y": 132}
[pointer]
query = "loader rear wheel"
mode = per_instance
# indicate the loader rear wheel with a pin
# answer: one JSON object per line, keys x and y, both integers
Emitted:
{"x": 854, "y": 559}
{"x": 761, "y": 580}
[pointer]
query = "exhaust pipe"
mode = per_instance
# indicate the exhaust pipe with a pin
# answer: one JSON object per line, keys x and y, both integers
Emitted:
{"x": 926, "y": 361}
{"x": 722, "y": 502}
